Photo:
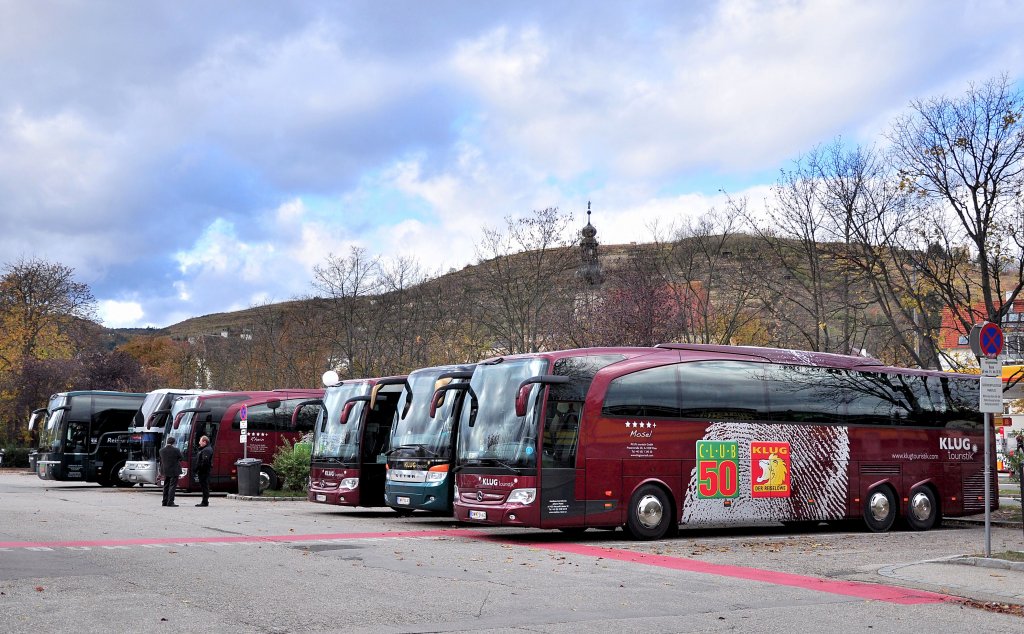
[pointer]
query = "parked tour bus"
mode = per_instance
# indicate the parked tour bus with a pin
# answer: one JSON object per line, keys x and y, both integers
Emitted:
{"x": 218, "y": 416}
{"x": 83, "y": 436}
{"x": 650, "y": 439}
{"x": 148, "y": 428}
{"x": 423, "y": 437}
{"x": 352, "y": 438}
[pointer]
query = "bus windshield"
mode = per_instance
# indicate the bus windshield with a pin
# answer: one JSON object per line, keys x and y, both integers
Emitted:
{"x": 51, "y": 430}
{"x": 181, "y": 434}
{"x": 497, "y": 435}
{"x": 332, "y": 439}
{"x": 417, "y": 430}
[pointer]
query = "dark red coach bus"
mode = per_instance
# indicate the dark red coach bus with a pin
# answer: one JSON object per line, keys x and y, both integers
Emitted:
{"x": 217, "y": 415}
{"x": 351, "y": 440}
{"x": 654, "y": 438}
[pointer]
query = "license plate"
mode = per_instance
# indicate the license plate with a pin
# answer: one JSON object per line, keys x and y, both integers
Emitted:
{"x": 478, "y": 515}
{"x": 402, "y": 500}
{"x": 320, "y": 497}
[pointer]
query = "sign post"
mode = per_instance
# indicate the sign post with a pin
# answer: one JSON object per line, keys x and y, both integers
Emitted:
{"x": 986, "y": 341}
{"x": 243, "y": 426}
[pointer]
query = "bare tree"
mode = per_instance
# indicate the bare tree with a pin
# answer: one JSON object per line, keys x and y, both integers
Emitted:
{"x": 710, "y": 287}
{"x": 349, "y": 282}
{"x": 961, "y": 163}
{"x": 523, "y": 280}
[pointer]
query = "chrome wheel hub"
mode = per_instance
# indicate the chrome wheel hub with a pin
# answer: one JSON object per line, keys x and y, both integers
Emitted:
{"x": 649, "y": 511}
{"x": 920, "y": 506}
{"x": 878, "y": 506}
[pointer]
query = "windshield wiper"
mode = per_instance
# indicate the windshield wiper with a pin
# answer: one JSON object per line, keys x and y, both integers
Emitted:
{"x": 430, "y": 453}
{"x": 326, "y": 459}
{"x": 482, "y": 461}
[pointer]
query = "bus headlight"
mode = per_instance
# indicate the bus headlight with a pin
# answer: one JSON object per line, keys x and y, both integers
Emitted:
{"x": 349, "y": 483}
{"x": 522, "y": 496}
{"x": 436, "y": 476}
{"x": 455, "y": 493}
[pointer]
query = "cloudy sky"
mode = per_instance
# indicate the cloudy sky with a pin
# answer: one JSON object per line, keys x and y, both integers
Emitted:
{"x": 187, "y": 157}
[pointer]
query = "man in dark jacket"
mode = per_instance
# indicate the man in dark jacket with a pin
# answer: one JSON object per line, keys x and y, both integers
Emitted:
{"x": 204, "y": 462}
{"x": 170, "y": 466}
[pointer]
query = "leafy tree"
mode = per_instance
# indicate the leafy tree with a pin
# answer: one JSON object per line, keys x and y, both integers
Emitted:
{"x": 40, "y": 302}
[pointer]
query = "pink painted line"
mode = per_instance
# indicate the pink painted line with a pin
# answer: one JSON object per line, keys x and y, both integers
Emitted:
{"x": 868, "y": 591}
{"x": 455, "y": 532}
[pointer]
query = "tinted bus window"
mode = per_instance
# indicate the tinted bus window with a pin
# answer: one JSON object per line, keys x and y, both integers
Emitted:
{"x": 962, "y": 404}
{"x": 263, "y": 417}
{"x": 723, "y": 390}
{"x": 798, "y": 394}
{"x": 652, "y": 392}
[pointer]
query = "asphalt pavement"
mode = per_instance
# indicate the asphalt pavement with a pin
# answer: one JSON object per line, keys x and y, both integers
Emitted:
{"x": 101, "y": 559}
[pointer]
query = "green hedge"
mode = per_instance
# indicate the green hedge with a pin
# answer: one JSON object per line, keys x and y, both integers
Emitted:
{"x": 292, "y": 465}
{"x": 15, "y": 457}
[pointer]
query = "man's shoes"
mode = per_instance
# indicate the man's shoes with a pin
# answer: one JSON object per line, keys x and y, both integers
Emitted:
{"x": 201, "y": 504}
{"x": 172, "y": 505}
{"x": 163, "y": 504}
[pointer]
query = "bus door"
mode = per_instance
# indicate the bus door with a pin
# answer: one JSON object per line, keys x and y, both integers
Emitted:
{"x": 559, "y": 444}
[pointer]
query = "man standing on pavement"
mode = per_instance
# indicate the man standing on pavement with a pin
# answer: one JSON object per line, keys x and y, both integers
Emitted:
{"x": 170, "y": 466}
{"x": 204, "y": 462}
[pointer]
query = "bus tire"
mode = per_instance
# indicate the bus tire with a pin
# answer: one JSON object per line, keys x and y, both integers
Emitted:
{"x": 880, "y": 509}
{"x": 922, "y": 509}
{"x": 650, "y": 513}
{"x": 268, "y": 479}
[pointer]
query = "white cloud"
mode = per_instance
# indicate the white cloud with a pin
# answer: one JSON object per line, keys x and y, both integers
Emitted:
{"x": 120, "y": 314}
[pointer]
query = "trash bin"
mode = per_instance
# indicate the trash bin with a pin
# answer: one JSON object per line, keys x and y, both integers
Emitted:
{"x": 248, "y": 475}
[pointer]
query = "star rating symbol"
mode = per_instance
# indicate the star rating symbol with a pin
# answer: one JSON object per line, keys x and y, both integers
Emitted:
{"x": 641, "y": 424}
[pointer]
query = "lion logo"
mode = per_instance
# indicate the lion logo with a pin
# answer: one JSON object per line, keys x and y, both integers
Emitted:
{"x": 773, "y": 471}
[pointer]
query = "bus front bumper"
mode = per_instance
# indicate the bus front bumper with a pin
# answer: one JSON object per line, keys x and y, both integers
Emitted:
{"x": 336, "y": 496}
{"x": 497, "y": 514}
{"x": 140, "y": 471}
{"x": 419, "y": 496}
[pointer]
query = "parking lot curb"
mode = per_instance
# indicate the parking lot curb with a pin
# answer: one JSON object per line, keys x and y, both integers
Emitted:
{"x": 984, "y": 562}
{"x": 260, "y": 498}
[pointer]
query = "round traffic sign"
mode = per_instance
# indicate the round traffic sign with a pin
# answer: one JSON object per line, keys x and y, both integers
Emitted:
{"x": 990, "y": 340}
{"x": 243, "y": 413}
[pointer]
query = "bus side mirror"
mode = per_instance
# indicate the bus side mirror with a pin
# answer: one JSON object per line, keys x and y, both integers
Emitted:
{"x": 36, "y": 413}
{"x": 316, "y": 402}
{"x": 157, "y": 414}
{"x": 437, "y": 399}
{"x": 177, "y": 420}
{"x": 523, "y": 395}
{"x": 349, "y": 404}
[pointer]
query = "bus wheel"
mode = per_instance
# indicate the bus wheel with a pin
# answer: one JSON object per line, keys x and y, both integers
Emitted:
{"x": 880, "y": 509}
{"x": 650, "y": 513}
{"x": 118, "y": 482}
{"x": 268, "y": 479}
{"x": 922, "y": 509}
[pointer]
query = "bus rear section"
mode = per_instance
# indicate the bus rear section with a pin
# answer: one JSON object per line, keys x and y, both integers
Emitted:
{"x": 351, "y": 440}
{"x": 420, "y": 460}
{"x": 708, "y": 435}
{"x": 218, "y": 417}
{"x": 84, "y": 436}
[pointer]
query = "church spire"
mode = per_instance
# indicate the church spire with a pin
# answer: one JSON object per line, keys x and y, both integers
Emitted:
{"x": 590, "y": 267}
